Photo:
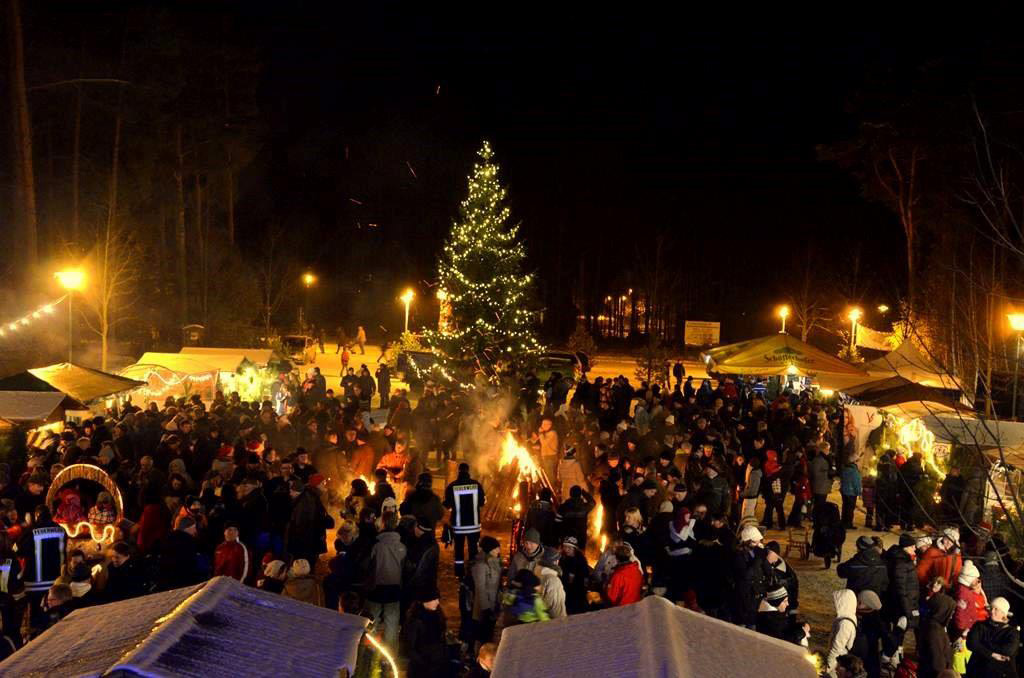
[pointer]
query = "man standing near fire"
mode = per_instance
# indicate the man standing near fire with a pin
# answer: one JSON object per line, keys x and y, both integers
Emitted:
{"x": 464, "y": 497}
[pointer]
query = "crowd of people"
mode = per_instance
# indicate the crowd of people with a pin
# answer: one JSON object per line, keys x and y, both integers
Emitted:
{"x": 688, "y": 479}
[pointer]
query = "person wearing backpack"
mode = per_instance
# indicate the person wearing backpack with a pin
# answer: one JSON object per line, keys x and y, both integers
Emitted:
{"x": 844, "y": 628}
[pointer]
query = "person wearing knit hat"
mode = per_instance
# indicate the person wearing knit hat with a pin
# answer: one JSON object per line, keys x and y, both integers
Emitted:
{"x": 529, "y": 553}
{"x": 777, "y": 595}
{"x": 994, "y": 644}
{"x": 751, "y": 535}
{"x": 971, "y": 602}
{"x": 865, "y": 570}
{"x": 485, "y": 575}
{"x": 907, "y": 539}
{"x": 774, "y": 618}
{"x": 489, "y": 543}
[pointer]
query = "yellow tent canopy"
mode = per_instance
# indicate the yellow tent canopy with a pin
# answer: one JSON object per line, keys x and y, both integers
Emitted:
{"x": 776, "y": 354}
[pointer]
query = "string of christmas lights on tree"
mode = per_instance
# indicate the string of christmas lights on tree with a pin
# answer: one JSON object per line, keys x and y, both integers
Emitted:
{"x": 10, "y": 327}
{"x": 493, "y": 306}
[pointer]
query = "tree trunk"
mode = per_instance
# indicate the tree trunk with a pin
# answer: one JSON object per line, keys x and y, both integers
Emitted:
{"x": 21, "y": 129}
{"x": 179, "y": 179}
{"x": 76, "y": 153}
{"x": 105, "y": 283}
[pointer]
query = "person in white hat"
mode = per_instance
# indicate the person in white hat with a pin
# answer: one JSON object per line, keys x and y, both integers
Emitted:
{"x": 993, "y": 644}
{"x": 971, "y": 603}
{"x": 942, "y": 559}
{"x": 751, "y": 570}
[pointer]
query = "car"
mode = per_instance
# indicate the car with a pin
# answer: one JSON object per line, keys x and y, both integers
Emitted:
{"x": 299, "y": 348}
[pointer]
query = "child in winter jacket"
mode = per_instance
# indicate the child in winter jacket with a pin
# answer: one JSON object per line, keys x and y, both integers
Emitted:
{"x": 971, "y": 603}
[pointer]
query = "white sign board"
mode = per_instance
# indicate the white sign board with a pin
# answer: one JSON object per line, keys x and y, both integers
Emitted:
{"x": 702, "y": 333}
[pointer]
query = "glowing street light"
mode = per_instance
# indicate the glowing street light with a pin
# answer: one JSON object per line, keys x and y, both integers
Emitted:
{"x": 853, "y": 316}
{"x": 882, "y": 308}
{"x": 70, "y": 279}
{"x": 1017, "y": 325}
{"x": 783, "y": 312}
{"x": 308, "y": 280}
{"x": 407, "y": 298}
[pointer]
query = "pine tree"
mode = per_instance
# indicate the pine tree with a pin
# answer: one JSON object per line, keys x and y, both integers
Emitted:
{"x": 493, "y": 311}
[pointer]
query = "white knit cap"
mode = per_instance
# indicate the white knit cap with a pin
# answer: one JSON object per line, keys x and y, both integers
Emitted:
{"x": 751, "y": 533}
{"x": 968, "y": 574}
{"x": 1001, "y": 603}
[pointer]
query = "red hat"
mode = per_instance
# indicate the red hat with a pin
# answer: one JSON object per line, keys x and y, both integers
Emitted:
{"x": 254, "y": 446}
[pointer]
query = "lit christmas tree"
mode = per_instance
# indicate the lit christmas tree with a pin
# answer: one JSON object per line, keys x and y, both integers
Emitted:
{"x": 490, "y": 299}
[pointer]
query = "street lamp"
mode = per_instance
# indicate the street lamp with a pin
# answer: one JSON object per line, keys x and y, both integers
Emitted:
{"x": 853, "y": 316}
{"x": 308, "y": 280}
{"x": 783, "y": 313}
{"x": 1017, "y": 325}
{"x": 407, "y": 298}
{"x": 70, "y": 279}
{"x": 882, "y": 308}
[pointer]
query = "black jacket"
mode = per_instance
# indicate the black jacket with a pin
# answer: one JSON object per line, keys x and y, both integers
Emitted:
{"x": 987, "y": 637}
{"x": 424, "y": 505}
{"x": 904, "y": 592}
{"x": 424, "y": 643}
{"x": 125, "y": 581}
{"x": 936, "y": 652}
{"x": 865, "y": 572}
{"x": 751, "y": 576}
{"x": 179, "y": 565}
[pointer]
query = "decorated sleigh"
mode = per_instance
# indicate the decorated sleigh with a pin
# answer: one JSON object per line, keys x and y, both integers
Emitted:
{"x": 65, "y": 499}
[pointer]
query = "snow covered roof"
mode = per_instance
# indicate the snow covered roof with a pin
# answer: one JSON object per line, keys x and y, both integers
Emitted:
{"x": 219, "y": 628}
{"x": 36, "y": 406}
{"x": 174, "y": 362}
{"x": 664, "y": 640}
{"x": 82, "y": 383}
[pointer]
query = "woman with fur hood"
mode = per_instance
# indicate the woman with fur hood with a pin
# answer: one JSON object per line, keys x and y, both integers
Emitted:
{"x": 844, "y": 628}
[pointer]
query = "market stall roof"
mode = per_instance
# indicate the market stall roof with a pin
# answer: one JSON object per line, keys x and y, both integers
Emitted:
{"x": 257, "y": 356}
{"x": 36, "y": 406}
{"x": 665, "y": 640}
{"x": 909, "y": 399}
{"x": 82, "y": 383}
{"x": 219, "y": 628}
{"x": 910, "y": 363}
{"x": 174, "y": 362}
{"x": 776, "y": 354}
{"x": 972, "y": 430}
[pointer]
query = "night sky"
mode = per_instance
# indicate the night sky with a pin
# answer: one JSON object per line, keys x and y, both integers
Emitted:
{"x": 605, "y": 134}
{"x": 608, "y": 132}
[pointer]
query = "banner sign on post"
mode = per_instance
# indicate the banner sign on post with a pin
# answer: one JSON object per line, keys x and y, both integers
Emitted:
{"x": 702, "y": 333}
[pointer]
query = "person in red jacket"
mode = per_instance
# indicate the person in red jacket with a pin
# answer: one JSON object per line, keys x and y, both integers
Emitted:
{"x": 626, "y": 585}
{"x": 971, "y": 603}
{"x": 231, "y": 559}
{"x": 942, "y": 559}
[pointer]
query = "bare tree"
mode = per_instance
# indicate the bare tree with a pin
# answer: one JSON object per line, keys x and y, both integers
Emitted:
{"x": 896, "y": 174}
{"x": 21, "y": 135}
{"x": 277, "y": 276}
{"x": 807, "y": 299}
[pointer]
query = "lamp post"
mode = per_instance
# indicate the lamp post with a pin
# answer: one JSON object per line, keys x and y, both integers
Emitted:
{"x": 1017, "y": 324}
{"x": 308, "y": 280}
{"x": 407, "y": 298}
{"x": 783, "y": 313}
{"x": 854, "y": 315}
{"x": 70, "y": 279}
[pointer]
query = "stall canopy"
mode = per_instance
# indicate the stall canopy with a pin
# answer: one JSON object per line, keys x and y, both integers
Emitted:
{"x": 173, "y": 362}
{"x": 777, "y": 354}
{"x": 36, "y": 407}
{"x": 907, "y": 398}
{"x": 261, "y": 357}
{"x": 82, "y": 383}
{"x": 906, "y": 362}
{"x": 219, "y": 628}
{"x": 665, "y": 640}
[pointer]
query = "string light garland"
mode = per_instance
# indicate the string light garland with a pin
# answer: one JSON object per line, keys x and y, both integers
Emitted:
{"x": 493, "y": 306}
{"x": 44, "y": 311}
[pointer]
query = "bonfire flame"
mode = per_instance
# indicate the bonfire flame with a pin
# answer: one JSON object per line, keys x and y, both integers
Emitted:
{"x": 372, "y": 484}
{"x": 526, "y": 468}
{"x": 512, "y": 451}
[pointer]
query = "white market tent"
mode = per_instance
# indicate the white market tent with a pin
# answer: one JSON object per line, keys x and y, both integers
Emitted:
{"x": 220, "y": 628}
{"x": 36, "y": 407}
{"x": 173, "y": 374}
{"x": 906, "y": 362}
{"x": 664, "y": 640}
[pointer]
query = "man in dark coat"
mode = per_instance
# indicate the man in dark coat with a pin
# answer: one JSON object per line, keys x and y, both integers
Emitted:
{"x": 384, "y": 384}
{"x": 900, "y": 604}
{"x": 422, "y": 555}
{"x": 422, "y": 503}
{"x": 126, "y": 576}
{"x": 993, "y": 644}
{"x": 865, "y": 571}
{"x": 305, "y": 535}
{"x": 575, "y": 573}
{"x": 575, "y": 512}
{"x": 179, "y": 561}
